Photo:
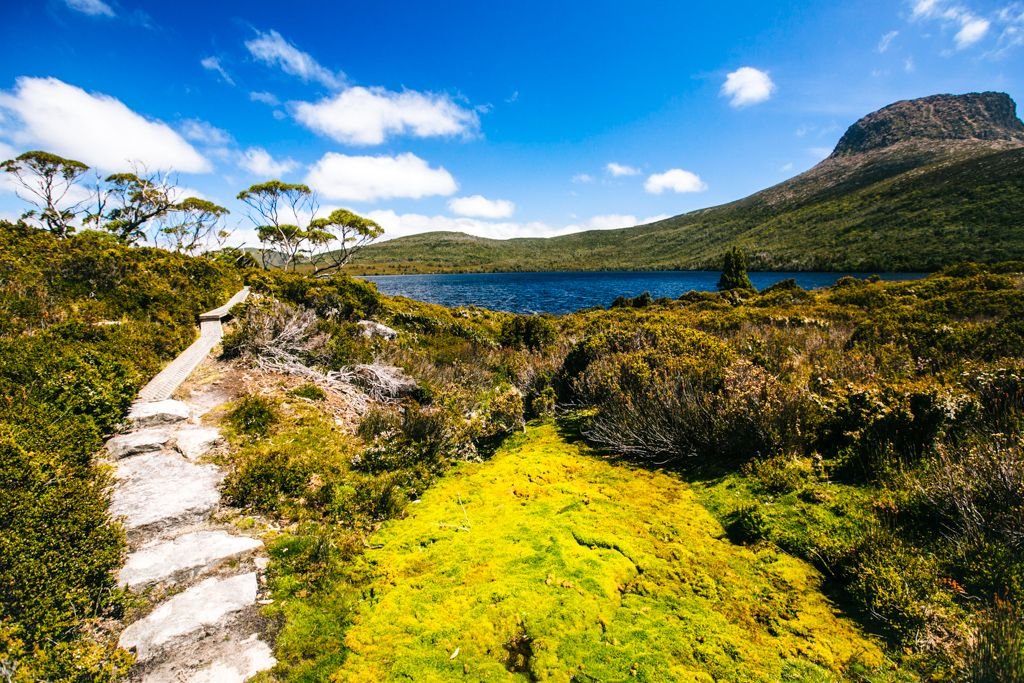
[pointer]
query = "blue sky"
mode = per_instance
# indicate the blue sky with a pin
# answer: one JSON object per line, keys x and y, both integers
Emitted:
{"x": 500, "y": 119}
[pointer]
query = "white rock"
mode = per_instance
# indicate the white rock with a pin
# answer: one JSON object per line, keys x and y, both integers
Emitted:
{"x": 239, "y": 665}
{"x": 142, "y": 441}
{"x": 195, "y": 442}
{"x": 156, "y": 491}
{"x": 156, "y": 413}
{"x": 182, "y": 558}
{"x": 201, "y": 609}
{"x": 372, "y": 329}
{"x": 226, "y": 661}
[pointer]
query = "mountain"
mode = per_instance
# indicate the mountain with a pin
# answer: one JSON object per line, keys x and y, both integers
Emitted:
{"x": 914, "y": 186}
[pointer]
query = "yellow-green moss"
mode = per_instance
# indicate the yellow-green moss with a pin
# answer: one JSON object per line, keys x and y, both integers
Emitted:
{"x": 548, "y": 563}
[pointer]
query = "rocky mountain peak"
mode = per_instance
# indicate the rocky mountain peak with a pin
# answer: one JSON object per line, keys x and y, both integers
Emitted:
{"x": 987, "y": 116}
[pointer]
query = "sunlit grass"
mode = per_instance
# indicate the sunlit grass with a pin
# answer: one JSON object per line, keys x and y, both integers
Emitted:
{"x": 550, "y": 563}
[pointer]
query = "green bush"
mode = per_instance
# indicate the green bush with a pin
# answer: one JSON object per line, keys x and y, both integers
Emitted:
{"x": 532, "y": 332}
{"x": 336, "y": 298}
{"x": 641, "y": 301}
{"x": 681, "y": 397}
{"x": 253, "y": 415}
{"x": 261, "y": 483}
{"x": 309, "y": 391}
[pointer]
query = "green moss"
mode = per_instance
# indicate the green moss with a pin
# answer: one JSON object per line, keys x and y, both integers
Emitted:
{"x": 550, "y": 563}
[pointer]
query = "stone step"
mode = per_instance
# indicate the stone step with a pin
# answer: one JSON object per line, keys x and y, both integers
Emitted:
{"x": 157, "y": 413}
{"x": 162, "y": 490}
{"x": 183, "y": 558}
{"x": 215, "y": 660}
{"x": 142, "y": 441}
{"x": 195, "y": 442}
{"x": 203, "y": 610}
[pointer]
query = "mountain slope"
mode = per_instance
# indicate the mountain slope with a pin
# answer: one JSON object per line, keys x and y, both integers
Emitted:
{"x": 914, "y": 186}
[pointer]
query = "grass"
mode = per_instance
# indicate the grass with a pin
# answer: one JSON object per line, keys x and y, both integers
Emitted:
{"x": 549, "y": 563}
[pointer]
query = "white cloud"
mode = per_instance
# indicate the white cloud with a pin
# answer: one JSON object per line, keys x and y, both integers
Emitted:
{"x": 368, "y": 116}
{"x": 7, "y": 152}
{"x": 618, "y": 170}
{"x": 583, "y": 178}
{"x": 973, "y": 30}
{"x": 258, "y": 161}
{"x": 478, "y": 206}
{"x": 746, "y": 86}
{"x": 205, "y": 133}
{"x": 94, "y": 128}
{"x": 819, "y": 152}
{"x": 909, "y": 66}
{"x": 610, "y": 221}
{"x": 676, "y": 180}
{"x": 267, "y": 98}
{"x": 367, "y": 179}
{"x": 271, "y": 48}
{"x": 213, "y": 64}
{"x": 924, "y": 8}
{"x": 94, "y": 8}
{"x": 400, "y": 225}
{"x": 886, "y": 42}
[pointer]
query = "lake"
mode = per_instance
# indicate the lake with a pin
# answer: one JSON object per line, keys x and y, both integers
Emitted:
{"x": 567, "y": 292}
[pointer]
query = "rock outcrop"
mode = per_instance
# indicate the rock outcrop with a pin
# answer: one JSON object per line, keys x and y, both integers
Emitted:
{"x": 980, "y": 117}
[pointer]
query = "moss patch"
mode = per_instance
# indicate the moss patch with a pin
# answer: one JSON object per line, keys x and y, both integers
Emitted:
{"x": 547, "y": 563}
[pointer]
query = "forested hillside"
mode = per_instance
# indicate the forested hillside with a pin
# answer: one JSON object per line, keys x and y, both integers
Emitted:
{"x": 913, "y": 187}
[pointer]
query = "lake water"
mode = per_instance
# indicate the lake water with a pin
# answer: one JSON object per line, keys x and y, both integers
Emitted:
{"x": 566, "y": 292}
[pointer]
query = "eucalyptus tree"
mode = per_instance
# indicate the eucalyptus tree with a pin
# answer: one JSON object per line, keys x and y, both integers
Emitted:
{"x": 285, "y": 218}
{"x": 192, "y": 224}
{"x": 131, "y": 201}
{"x": 338, "y": 237}
{"x": 277, "y": 209}
{"x": 48, "y": 182}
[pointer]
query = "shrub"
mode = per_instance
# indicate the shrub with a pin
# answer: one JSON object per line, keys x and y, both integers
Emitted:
{"x": 262, "y": 483}
{"x": 691, "y": 403}
{"x": 641, "y": 301}
{"x": 747, "y": 524}
{"x": 533, "y": 332}
{"x": 781, "y": 473}
{"x": 309, "y": 391}
{"x": 428, "y": 438}
{"x": 253, "y": 416}
{"x": 500, "y": 414}
{"x": 336, "y": 298}
{"x": 997, "y": 653}
{"x": 877, "y": 429}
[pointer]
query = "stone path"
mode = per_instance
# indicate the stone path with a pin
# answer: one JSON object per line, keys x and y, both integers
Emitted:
{"x": 204, "y": 577}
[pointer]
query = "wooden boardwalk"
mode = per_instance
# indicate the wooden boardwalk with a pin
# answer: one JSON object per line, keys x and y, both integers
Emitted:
{"x": 177, "y": 371}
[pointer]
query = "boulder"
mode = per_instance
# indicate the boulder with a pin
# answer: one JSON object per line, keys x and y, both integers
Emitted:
{"x": 157, "y": 413}
{"x": 228, "y": 660}
{"x": 371, "y": 329}
{"x": 182, "y": 558}
{"x": 157, "y": 491}
{"x": 206, "y": 607}
{"x": 195, "y": 442}
{"x": 134, "y": 443}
